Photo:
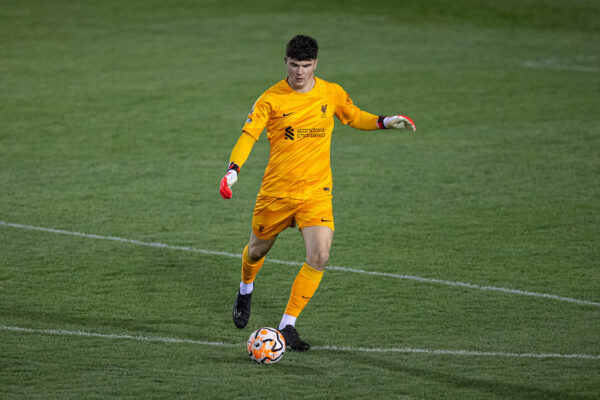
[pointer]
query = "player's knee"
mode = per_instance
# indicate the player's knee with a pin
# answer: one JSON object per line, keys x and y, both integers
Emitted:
{"x": 318, "y": 260}
{"x": 255, "y": 253}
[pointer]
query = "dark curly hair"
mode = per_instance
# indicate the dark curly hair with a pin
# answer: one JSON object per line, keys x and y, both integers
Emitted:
{"x": 302, "y": 48}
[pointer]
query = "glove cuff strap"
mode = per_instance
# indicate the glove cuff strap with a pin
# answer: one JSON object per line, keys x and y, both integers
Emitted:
{"x": 380, "y": 123}
{"x": 233, "y": 166}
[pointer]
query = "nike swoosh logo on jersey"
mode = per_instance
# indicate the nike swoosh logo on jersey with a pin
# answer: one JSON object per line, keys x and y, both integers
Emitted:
{"x": 285, "y": 115}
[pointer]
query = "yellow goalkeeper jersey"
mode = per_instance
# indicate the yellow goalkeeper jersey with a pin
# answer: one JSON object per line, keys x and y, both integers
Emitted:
{"x": 299, "y": 127}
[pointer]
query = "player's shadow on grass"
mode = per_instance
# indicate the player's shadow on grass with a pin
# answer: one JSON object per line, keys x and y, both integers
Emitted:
{"x": 498, "y": 387}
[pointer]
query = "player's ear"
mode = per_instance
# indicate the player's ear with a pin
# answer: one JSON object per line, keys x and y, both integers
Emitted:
{"x": 316, "y": 62}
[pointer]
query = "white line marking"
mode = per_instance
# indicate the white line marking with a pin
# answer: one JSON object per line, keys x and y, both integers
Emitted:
{"x": 62, "y": 332}
{"x": 456, "y": 352}
{"x": 466, "y": 285}
{"x": 118, "y": 239}
{"x": 331, "y": 267}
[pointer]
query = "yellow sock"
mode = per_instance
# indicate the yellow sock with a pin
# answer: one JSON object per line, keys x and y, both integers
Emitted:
{"x": 249, "y": 268}
{"x": 305, "y": 285}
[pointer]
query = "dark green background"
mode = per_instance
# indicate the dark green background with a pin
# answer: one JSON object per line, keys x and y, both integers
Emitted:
{"x": 118, "y": 118}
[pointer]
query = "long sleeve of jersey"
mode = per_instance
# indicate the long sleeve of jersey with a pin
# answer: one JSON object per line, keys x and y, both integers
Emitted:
{"x": 242, "y": 149}
{"x": 364, "y": 121}
{"x": 349, "y": 114}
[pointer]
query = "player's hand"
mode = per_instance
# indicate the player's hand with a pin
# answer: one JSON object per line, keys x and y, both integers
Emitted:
{"x": 228, "y": 180}
{"x": 399, "y": 122}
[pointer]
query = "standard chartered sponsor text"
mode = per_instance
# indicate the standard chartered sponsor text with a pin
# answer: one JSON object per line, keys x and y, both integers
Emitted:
{"x": 310, "y": 132}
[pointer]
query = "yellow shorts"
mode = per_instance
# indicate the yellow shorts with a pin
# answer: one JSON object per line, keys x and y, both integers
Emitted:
{"x": 273, "y": 214}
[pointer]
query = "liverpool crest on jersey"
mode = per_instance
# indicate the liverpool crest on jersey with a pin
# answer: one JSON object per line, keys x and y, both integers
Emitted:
{"x": 324, "y": 111}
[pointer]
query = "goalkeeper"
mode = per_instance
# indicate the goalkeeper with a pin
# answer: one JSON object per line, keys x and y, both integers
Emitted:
{"x": 296, "y": 190}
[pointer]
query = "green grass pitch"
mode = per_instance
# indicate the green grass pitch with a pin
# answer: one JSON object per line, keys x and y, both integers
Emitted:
{"x": 117, "y": 119}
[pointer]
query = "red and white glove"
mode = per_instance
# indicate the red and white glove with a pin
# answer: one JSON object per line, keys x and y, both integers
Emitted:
{"x": 396, "y": 122}
{"x": 228, "y": 180}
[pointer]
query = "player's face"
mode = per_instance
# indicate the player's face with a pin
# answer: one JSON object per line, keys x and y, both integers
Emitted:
{"x": 300, "y": 73}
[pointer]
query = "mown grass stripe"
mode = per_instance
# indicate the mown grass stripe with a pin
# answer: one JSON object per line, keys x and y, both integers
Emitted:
{"x": 410, "y": 350}
{"x": 331, "y": 267}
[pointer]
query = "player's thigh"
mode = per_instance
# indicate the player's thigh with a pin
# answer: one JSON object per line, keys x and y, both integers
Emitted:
{"x": 317, "y": 240}
{"x": 258, "y": 248}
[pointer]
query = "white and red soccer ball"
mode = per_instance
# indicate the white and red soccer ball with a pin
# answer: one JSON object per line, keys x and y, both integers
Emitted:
{"x": 266, "y": 346}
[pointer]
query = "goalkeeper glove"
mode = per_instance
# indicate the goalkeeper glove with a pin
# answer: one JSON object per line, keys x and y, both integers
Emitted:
{"x": 396, "y": 122}
{"x": 228, "y": 180}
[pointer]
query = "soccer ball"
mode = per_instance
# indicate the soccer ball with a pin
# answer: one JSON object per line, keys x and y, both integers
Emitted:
{"x": 266, "y": 346}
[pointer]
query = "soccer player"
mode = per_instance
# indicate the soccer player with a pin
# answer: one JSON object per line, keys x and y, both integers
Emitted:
{"x": 297, "y": 187}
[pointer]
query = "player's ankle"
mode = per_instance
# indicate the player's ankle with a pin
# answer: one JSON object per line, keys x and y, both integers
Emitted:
{"x": 287, "y": 320}
{"x": 246, "y": 288}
